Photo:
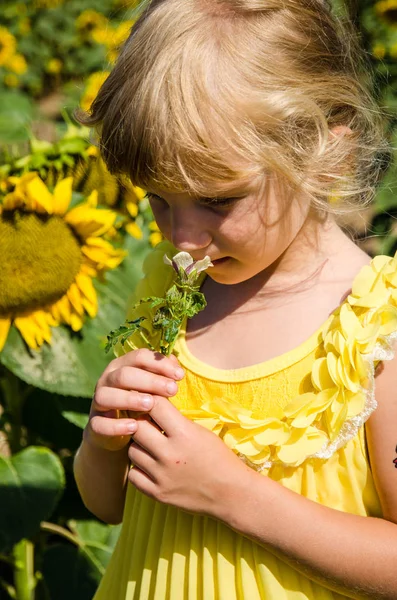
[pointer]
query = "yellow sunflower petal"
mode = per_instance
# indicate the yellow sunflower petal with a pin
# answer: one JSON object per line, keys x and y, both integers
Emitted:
{"x": 76, "y": 322}
{"x": 64, "y": 309}
{"x": 102, "y": 253}
{"x": 62, "y": 196}
{"x": 5, "y": 324}
{"x": 90, "y": 222}
{"x": 32, "y": 332}
{"x": 41, "y": 320}
{"x": 132, "y": 208}
{"x": 86, "y": 286}
{"x": 134, "y": 230}
{"x": 38, "y": 197}
{"x": 74, "y": 297}
{"x": 91, "y": 308}
{"x": 92, "y": 199}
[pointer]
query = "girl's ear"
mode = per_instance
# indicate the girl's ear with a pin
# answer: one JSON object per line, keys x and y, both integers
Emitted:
{"x": 340, "y": 130}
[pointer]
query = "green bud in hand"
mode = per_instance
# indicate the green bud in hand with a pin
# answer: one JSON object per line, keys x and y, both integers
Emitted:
{"x": 183, "y": 299}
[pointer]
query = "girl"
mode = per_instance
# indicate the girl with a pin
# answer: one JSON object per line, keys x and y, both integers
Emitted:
{"x": 269, "y": 474}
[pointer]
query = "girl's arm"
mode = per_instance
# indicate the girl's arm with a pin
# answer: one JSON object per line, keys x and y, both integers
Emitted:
{"x": 350, "y": 554}
{"x": 101, "y": 477}
{"x": 123, "y": 391}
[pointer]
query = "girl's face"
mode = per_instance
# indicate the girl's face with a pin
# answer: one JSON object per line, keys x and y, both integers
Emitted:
{"x": 243, "y": 235}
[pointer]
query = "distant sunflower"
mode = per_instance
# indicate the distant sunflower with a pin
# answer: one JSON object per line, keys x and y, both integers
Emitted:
{"x": 117, "y": 193}
{"x": 387, "y": 11}
{"x": 50, "y": 254}
{"x": 17, "y": 64}
{"x": 94, "y": 82}
{"x": 8, "y": 45}
{"x": 89, "y": 21}
{"x": 155, "y": 236}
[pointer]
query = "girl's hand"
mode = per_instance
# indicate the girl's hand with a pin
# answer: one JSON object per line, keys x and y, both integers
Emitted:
{"x": 125, "y": 390}
{"x": 187, "y": 466}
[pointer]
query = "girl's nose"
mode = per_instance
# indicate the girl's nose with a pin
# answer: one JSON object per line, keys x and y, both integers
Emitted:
{"x": 189, "y": 232}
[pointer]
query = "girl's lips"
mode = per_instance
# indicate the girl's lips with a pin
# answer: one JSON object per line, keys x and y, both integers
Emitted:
{"x": 220, "y": 261}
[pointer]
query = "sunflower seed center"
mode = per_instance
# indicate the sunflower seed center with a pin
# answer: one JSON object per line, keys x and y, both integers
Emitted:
{"x": 40, "y": 257}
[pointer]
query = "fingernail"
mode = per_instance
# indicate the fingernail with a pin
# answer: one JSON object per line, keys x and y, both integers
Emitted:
{"x": 171, "y": 387}
{"x": 179, "y": 373}
{"x": 147, "y": 402}
{"x": 131, "y": 427}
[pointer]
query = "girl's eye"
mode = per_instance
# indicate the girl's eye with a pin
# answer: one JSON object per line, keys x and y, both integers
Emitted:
{"x": 151, "y": 196}
{"x": 218, "y": 202}
{"x": 212, "y": 202}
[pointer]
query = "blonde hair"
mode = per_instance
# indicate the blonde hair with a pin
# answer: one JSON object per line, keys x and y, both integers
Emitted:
{"x": 207, "y": 94}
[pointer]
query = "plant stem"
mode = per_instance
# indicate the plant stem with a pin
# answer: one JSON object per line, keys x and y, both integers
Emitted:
{"x": 14, "y": 394}
{"x": 24, "y": 578}
{"x": 53, "y": 528}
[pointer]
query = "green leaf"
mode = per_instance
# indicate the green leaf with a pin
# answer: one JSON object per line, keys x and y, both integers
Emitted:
{"x": 123, "y": 332}
{"x": 76, "y": 571}
{"x": 31, "y": 483}
{"x": 78, "y": 419}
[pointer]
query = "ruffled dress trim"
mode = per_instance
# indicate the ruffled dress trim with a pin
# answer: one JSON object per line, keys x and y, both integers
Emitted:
{"x": 355, "y": 338}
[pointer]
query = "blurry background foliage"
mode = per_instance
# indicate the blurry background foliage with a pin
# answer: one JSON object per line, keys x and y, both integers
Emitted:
{"x": 72, "y": 241}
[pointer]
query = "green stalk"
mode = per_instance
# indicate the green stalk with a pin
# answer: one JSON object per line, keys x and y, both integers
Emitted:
{"x": 24, "y": 578}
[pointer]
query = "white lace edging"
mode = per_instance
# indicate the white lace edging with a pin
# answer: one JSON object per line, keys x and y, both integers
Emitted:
{"x": 383, "y": 350}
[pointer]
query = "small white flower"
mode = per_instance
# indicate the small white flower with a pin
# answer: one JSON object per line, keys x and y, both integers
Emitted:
{"x": 184, "y": 261}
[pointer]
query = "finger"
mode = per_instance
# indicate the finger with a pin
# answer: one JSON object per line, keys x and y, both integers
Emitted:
{"x": 142, "y": 482}
{"x": 132, "y": 378}
{"x": 150, "y": 438}
{"x": 103, "y": 426}
{"x": 142, "y": 460}
{"x": 167, "y": 416}
{"x": 150, "y": 361}
{"x": 108, "y": 399}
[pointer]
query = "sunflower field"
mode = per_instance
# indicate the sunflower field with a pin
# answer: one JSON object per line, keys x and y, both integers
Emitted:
{"x": 72, "y": 241}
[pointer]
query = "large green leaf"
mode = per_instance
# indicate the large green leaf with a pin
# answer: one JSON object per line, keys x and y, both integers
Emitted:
{"x": 31, "y": 483}
{"x": 73, "y": 363}
{"x": 76, "y": 571}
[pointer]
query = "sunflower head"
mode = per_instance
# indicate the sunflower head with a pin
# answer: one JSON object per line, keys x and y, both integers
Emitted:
{"x": 387, "y": 11}
{"x": 8, "y": 44}
{"x": 51, "y": 253}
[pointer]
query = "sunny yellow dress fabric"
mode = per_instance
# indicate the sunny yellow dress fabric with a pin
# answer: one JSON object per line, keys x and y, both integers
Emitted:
{"x": 298, "y": 418}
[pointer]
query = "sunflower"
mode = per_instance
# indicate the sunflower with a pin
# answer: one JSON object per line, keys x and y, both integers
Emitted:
{"x": 155, "y": 236}
{"x": 50, "y": 254}
{"x": 54, "y": 66}
{"x": 11, "y": 80}
{"x": 94, "y": 82}
{"x": 118, "y": 193}
{"x": 17, "y": 64}
{"x": 8, "y": 45}
{"x": 47, "y": 3}
{"x": 387, "y": 11}
{"x": 90, "y": 21}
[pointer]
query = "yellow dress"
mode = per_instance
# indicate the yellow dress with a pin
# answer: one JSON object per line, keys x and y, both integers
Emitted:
{"x": 298, "y": 418}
